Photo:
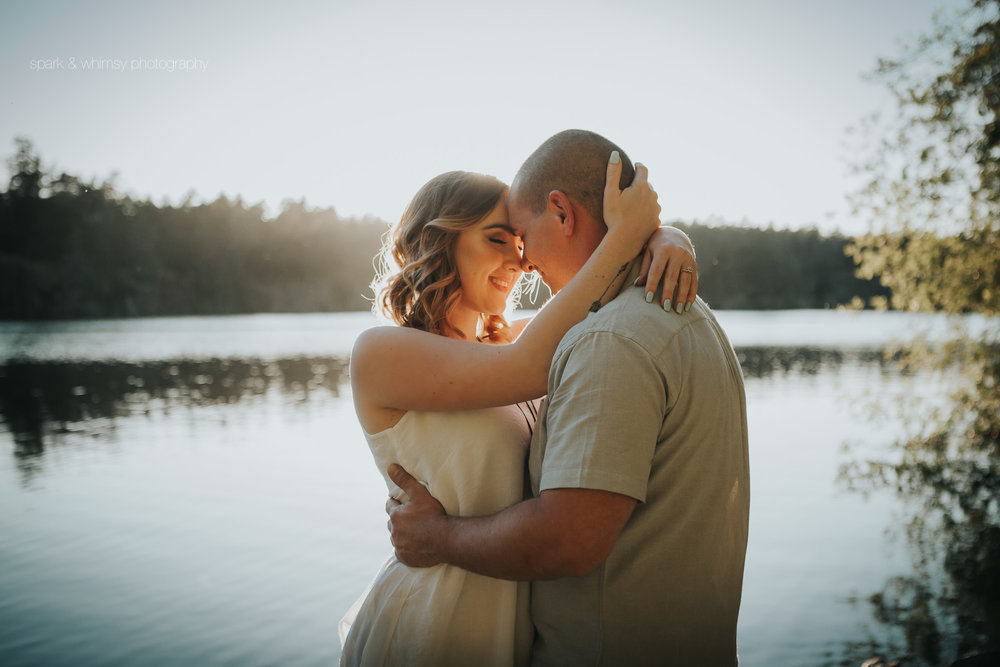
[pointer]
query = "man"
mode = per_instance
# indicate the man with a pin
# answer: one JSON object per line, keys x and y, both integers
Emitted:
{"x": 636, "y": 533}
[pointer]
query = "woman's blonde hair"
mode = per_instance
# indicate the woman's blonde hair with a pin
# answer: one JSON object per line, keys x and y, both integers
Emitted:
{"x": 417, "y": 279}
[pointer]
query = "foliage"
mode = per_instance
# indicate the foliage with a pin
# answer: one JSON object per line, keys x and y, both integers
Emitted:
{"x": 749, "y": 268}
{"x": 765, "y": 269}
{"x": 933, "y": 200}
{"x": 933, "y": 181}
{"x": 70, "y": 248}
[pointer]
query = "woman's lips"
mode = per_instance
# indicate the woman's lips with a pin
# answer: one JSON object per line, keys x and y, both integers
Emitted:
{"x": 500, "y": 284}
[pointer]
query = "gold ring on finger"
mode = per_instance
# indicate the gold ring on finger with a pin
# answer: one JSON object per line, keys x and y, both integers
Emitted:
{"x": 687, "y": 269}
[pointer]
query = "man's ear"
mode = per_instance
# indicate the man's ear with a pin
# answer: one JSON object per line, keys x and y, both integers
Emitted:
{"x": 560, "y": 205}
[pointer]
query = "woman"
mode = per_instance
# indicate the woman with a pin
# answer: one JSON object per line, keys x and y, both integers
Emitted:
{"x": 458, "y": 263}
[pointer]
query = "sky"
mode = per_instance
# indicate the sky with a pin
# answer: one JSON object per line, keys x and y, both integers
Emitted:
{"x": 740, "y": 108}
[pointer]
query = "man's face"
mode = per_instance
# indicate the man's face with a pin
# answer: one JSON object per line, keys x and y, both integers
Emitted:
{"x": 545, "y": 245}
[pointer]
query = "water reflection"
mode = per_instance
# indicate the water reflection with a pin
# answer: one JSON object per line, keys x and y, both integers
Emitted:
{"x": 40, "y": 399}
{"x": 948, "y": 475}
{"x": 173, "y": 511}
{"x": 766, "y": 361}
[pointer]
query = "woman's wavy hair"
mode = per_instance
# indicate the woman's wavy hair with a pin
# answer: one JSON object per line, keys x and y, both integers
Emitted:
{"x": 416, "y": 280}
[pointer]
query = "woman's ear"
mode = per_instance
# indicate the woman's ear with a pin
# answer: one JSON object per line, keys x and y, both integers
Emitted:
{"x": 560, "y": 205}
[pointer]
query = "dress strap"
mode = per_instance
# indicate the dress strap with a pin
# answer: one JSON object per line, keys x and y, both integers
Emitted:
{"x": 530, "y": 411}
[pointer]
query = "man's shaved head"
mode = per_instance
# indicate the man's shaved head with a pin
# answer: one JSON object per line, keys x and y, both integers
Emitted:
{"x": 574, "y": 162}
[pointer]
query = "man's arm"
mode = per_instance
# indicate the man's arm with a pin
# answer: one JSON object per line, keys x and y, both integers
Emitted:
{"x": 562, "y": 532}
{"x": 602, "y": 422}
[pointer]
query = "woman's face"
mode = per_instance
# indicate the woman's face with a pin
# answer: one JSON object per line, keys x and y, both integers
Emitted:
{"x": 488, "y": 256}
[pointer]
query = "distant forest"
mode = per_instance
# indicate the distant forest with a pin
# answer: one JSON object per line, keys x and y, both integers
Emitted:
{"x": 76, "y": 249}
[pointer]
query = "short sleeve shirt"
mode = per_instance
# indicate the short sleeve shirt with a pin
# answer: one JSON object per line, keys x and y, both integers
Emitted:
{"x": 650, "y": 405}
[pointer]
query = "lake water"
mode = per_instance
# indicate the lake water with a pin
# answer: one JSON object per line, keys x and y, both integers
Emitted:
{"x": 178, "y": 491}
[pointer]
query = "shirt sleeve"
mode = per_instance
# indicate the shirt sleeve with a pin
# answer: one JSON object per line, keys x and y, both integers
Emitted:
{"x": 604, "y": 417}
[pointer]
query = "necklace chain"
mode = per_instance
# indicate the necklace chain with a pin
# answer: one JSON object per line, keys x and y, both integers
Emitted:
{"x": 594, "y": 307}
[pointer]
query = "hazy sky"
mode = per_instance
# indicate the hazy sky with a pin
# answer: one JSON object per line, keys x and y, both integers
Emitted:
{"x": 739, "y": 108}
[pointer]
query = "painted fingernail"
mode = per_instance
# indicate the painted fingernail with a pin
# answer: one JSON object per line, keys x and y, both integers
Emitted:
{"x": 649, "y": 297}
{"x": 666, "y": 305}
{"x": 615, "y": 158}
{"x": 636, "y": 283}
{"x": 687, "y": 308}
{"x": 680, "y": 308}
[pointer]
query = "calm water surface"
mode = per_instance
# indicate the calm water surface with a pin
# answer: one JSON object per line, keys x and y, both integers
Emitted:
{"x": 197, "y": 491}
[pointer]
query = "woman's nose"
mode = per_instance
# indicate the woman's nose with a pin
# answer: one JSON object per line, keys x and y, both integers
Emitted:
{"x": 514, "y": 260}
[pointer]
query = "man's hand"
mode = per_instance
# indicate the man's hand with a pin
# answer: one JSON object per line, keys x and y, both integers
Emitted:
{"x": 414, "y": 526}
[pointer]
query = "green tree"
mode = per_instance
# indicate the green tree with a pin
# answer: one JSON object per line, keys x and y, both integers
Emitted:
{"x": 26, "y": 171}
{"x": 933, "y": 181}
{"x": 932, "y": 197}
{"x": 71, "y": 248}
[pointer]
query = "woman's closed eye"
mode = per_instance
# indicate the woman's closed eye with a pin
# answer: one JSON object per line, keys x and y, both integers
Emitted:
{"x": 504, "y": 239}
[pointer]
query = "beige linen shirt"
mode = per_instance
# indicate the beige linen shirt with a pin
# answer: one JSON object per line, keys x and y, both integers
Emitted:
{"x": 651, "y": 405}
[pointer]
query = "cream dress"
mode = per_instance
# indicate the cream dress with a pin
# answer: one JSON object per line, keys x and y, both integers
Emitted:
{"x": 473, "y": 462}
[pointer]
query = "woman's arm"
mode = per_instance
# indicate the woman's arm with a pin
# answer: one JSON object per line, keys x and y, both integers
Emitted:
{"x": 669, "y": 258}
{"x": 407, "y": 369}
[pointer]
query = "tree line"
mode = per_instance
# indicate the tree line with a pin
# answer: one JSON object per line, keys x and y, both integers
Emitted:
{"x": 71, "y": 248}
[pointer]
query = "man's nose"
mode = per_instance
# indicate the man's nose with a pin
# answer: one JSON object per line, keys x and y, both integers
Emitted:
{"x": 527, "y": 266}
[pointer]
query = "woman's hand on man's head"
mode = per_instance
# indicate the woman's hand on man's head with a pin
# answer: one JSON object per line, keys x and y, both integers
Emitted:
{"x": 635, "y": 209}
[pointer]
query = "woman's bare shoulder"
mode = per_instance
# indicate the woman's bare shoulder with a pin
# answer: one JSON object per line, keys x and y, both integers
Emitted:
{"x": 381, "y": 339}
